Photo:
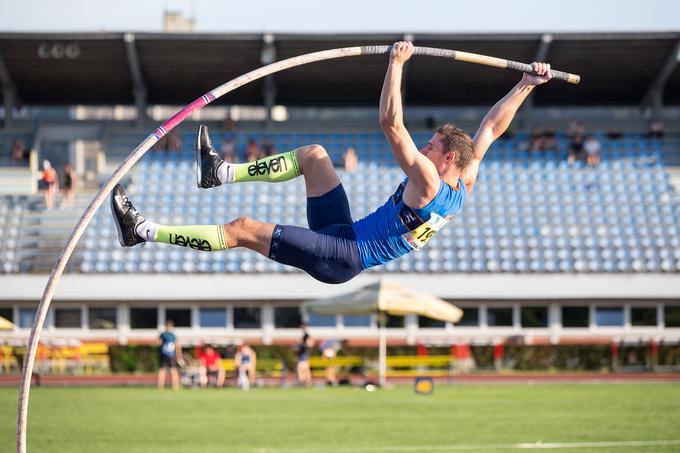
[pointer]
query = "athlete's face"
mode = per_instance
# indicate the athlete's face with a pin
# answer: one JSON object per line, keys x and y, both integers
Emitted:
{"x": 434, "y": 150}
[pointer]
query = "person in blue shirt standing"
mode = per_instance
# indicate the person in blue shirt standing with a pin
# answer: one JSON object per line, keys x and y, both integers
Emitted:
{"x": 169, "y": 356}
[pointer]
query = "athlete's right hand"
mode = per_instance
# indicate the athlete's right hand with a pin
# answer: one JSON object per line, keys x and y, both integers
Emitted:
{"x": 401, "y": 51}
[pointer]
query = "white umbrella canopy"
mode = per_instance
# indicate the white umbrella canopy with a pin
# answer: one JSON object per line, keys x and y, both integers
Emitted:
{"x": 5, "y": 324}
{"x": 388, "y": 297}
{"x": 385, "y": 296}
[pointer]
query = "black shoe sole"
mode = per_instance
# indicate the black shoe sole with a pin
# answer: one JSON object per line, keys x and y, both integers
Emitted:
{"x": 199, "y": 176}
{"x": 115, "y": 220}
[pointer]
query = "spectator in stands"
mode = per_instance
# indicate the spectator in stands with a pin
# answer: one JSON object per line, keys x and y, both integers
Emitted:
{"x": 169, "y": 356}
{"x": 550, "y": 138}
{"x": 229, "y": 150}
{"x": 592, "y": 150}
{"x": 304, "y": 373}
{"x": 576, "y": 128}
{"x": 268, "y": 148}
{"x": 656, "y": 129}
{"x": 69, "y": 182}
{"x": 576, "y": 149}
{"x": 18, "y": 152}
{"x": 245, "y": 361}
{"x": 543, "y": 139}
{"x": 210, "y": 365}
{"x": 350, "y": 160}
{"x": 50, "y": 181}
{"x": 253, "y": 151}
{"x": 173, "y": 141}
{"x": 537, "y": 143}
{"x": 229, "y": 125}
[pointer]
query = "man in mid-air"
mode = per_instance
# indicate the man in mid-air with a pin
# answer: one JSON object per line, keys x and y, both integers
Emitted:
{"x": 335, "y": 248}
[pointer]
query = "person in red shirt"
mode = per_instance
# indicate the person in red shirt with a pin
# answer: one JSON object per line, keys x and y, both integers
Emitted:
{"x": 211, "y": 365}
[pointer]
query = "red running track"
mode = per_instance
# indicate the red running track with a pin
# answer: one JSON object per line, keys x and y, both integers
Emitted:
{"x": 524, "y": 378}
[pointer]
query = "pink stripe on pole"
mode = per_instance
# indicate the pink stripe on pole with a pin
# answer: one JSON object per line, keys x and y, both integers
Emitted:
{"x": 185, "y": 112}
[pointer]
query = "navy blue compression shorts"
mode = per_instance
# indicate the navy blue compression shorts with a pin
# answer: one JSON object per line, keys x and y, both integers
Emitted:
{"x": 328, "y": 249}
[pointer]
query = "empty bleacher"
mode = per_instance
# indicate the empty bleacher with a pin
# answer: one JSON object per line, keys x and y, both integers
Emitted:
{"x": 530, "y": 212}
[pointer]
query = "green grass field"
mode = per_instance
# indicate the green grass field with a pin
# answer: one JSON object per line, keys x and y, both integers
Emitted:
{"x": 454, "y": 418}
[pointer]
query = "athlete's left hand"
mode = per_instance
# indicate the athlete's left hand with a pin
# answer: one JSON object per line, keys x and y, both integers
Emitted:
{"x": 541, "y": 74}
{"x": 401, "y": 51}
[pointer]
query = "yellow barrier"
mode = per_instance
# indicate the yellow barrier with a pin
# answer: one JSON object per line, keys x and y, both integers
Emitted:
{"x": 94, "y": 356}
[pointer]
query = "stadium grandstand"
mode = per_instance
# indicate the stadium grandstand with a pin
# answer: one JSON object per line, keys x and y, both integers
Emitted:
{"x": 547, "y": 251}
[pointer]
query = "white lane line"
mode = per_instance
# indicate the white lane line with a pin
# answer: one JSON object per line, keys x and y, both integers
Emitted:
{"x": 473, "y": 447}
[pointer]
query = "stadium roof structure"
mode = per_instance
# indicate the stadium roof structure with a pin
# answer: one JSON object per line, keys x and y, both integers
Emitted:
{"x": 162, "y": 68}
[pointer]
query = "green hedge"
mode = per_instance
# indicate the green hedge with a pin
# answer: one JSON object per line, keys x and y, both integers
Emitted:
{"x": 130, "y": 359}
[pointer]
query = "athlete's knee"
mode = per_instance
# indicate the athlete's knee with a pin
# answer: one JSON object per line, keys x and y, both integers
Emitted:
{"x": 242, "y": 223}
{"x": 312, "y": 153}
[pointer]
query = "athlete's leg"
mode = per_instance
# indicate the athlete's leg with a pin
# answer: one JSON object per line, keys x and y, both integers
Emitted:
{"x": 317, "y": 169}
{"x": 327, "y": 202}
{"x": 311, "y": 161}
{"x": 330, "y": 256}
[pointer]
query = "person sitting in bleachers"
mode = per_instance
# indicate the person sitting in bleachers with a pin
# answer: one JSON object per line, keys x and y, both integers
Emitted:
{"x": 575, "y": 128}
{"x": 229, "y": 150}
{"x": 268, "y": 148}
{"x": 592, "y": 150}
{"x": 253, "y": 152}
{"x": 576, "y": 149}
{"x": 350, "y": 160}
{"x": 173, "y": 141}
{"x": 18, "y": 152}
{"x": 656, "y": 129}
{"x": 537, "y": 140}
{"x": 549, "y": 138}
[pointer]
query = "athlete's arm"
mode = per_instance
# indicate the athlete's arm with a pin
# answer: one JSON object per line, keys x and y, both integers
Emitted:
{"x": 419, "y": 169}
{"x": 496, "y": 122}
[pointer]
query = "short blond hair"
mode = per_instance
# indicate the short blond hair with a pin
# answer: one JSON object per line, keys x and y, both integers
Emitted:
{"x": 456, "y": 139}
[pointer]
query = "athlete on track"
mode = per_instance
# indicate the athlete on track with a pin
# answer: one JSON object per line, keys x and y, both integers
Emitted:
{"x": 335, "y": 248}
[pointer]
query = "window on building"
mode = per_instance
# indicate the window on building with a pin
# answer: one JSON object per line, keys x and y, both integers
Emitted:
{"x": 643, "y": 316}
{"x": 212, "y": 317}
{"x": 357, "y": 320}
{"x": 429, "y": 323}
{"x": 672, "y": 315}
{"x": 534, "y": 317}
{"x": 26, "y": 317}
{"x": 7, "y": 313}
{"x": 395, "y": 322}
{"x": 287, "y": 317}
{"x": 102, "y": 318}
{"x": 180, "y": 316}
{"x": 470, "y": 317}
{"x": 499, "y": 317}
{"x": 67, "y": 318}
{"x": 575, "y": 316}
{"x": 247, "y": 317}
{"x": 321, "y": 320}
{"x": 144, "y": 318}
{"x": 609, "y": 316}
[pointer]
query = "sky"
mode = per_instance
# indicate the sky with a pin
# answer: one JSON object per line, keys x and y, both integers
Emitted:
{"x": 349, "y": 16}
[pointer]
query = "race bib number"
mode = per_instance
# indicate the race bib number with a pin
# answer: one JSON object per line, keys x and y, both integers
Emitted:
{"x": 418, "y": 237}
